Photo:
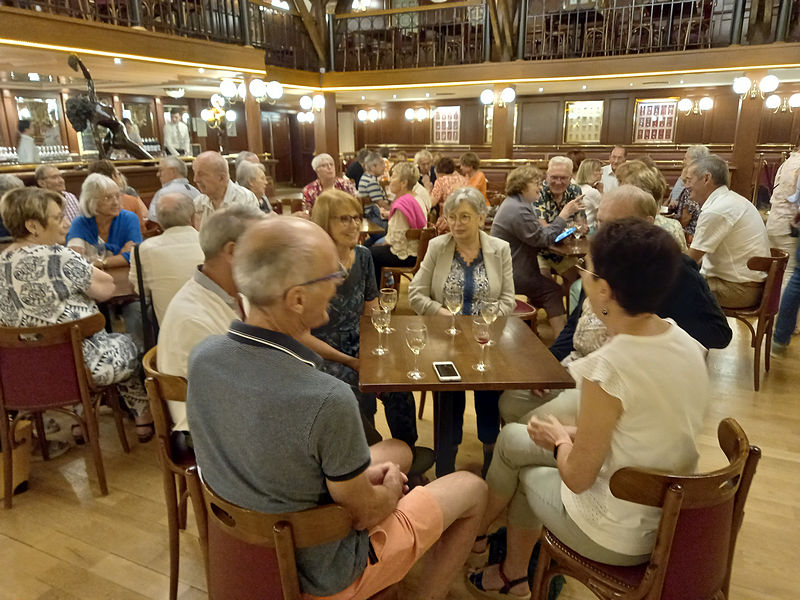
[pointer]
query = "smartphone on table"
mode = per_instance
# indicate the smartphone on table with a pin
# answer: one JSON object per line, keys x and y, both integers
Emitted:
{"x": 446, "y": 371}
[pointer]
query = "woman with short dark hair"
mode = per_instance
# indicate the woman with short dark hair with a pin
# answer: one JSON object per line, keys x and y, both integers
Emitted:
{"x": 448, "y": 180}
{"x": 469, "y": 169}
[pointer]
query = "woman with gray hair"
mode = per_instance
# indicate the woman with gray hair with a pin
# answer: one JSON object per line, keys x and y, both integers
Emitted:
{"x": 104, "y": 221}
{"x": 480, "y": 265}
{"x": 325, "y": 168}
{"x": 253, "y": 176}
{"x": 7, "y": 183}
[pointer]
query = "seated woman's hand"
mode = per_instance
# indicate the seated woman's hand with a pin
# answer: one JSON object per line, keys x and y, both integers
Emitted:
{"x": 546, "y": 433}
{"x": 128, "y": 247}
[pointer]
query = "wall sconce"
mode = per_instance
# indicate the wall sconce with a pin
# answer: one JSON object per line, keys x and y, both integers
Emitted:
{"x": 305, "y": 117}
{"x": 419, "y": 114}
{"x": 317, "y": 103}
{"x": 217, "y": 116}
{"x": 778, "y": 104}
{"x": 507, "y": 96}
{"x": 370, "y": 115}
{"x": 745, "y": 87}
{"x": 695, "y": 107}
{"x": 266, "y": 92}
{"x": 232, "y": 90}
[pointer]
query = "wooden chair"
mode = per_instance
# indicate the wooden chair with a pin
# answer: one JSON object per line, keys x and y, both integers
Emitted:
{"x": 527, "y": 313}
{"x": 160, "y": 389}
{"x": 60, "y": 383}
{"x": 251, "y": 555}
{"x": 774, "y": 266}
{"x": 696, "y": 539}
{"x": 424, "y": 236}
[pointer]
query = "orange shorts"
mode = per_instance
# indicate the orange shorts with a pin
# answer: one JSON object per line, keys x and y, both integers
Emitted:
{"x": 398, "y": 541}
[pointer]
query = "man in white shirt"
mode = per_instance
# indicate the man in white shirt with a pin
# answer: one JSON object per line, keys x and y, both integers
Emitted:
{"x": 784, "y": 204}
{"x": 208, "y": 302}
{"x": 27, "y": 152}
{"x": 51, "y": 179}
{"x": 169, "y": 260}
{"x": 729, "y": 232}
{"x": 172, "y": 173}
{"x": 213, "y": 178}
{"x": 616, "y": 158}
{"x": 176, "y": 135}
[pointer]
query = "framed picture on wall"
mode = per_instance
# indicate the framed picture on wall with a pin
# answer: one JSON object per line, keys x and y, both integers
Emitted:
{"x": 446, "y": 124}
{"x": 583, "y": 121}
{"x": 654, "y": 121}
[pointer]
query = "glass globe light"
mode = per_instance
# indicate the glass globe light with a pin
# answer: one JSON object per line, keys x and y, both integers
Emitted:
{"x": 305, "y": 102}
{"x": 706, "y": 103}
{"x": 373, "y": 115}
{"x": 684, "y": 105}
{"x": 318, "y": 102}
{"x": 772, "y": 102}
{"x": 258, "y": 88}
{"x": 227, "y": 87}
{"x": 206, "y": 114}
{"x": 794, "y": 100}
{"x": 410, "y": 114}
{"x": 301, "y": 117}
{"x": 230, "y": 115}
{"x": 362, "y": 115}
{"x": 769, "y": 84}
{"x": 741, "y": 85}
{"x": 422, "y": 114}
{"x": 487, "y": 96}
{"x": 217, "y": 100}
{"x": 274, "y": 90}
{"x": 309, "y": 117}
{"x": 508, "y": 95}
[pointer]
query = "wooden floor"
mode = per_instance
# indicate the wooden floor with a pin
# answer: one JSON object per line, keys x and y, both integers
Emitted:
{"x": 62, "y": 540}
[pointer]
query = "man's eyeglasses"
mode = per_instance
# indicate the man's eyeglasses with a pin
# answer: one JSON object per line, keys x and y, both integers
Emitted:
{"x": 341, "y": 274}
{"x": 345, "y": 220}
{"x": 581, "y": 266}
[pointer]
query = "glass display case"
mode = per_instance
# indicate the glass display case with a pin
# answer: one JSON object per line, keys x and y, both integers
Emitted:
{"x": 583, "y": 121}
{"x": 654, "y": 121}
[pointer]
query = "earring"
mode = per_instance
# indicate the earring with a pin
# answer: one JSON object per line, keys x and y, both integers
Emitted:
{"x": 604, "y": 311}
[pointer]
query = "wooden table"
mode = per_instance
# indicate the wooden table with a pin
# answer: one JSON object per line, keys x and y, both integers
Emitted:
{"x": 571, "y": 247}
{"x": 369, "y": 228}
{"x": 123, "y": 293}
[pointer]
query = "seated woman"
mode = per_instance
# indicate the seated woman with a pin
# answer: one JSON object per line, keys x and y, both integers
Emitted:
{"x": 407, "y": 212}
{"x": 469, "y": 169}
{"x": 589, "y": 177}
{"x": 447, "y": 181}
{"x": 337, "y": 342}
{"x": 642, "y": 400}
{"x": 481, "y": 265}
{"x": 130, "y": 199}
{"x": 517, "y": 222}
{"x": 254, "y": 177}
{"x": 325, "y": 169}
{"x": 66, "y": 291}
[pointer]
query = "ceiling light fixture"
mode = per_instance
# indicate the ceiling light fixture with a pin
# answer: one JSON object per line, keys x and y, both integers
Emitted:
{"x": 175, "y": 92}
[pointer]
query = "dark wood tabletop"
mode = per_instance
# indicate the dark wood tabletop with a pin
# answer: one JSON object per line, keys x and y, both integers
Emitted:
{"x": 123, "y": 288}
{"x": 517, "y": 359}
{"x": 369, "y": 227}
{"x": 571, "y": 247}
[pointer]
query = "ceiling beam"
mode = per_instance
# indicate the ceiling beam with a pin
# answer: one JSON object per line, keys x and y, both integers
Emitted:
{"x": 311, "y": 28}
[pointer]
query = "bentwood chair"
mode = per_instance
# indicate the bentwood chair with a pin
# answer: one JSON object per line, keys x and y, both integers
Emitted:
{"x": 251, "y": 555}
{"x": 696, "y": 538}
{"x": 42, "y": 368}
{"x": 764, "y": 313}
{"x": 424, "y": 236}
{"x": 162, "y": 388}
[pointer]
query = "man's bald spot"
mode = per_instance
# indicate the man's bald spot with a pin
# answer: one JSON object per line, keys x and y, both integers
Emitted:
{"x": 212, "y": 160}
{"x": 626, "y": 201}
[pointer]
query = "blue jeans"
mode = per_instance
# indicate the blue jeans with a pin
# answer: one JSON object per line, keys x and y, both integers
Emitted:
{"x": 790, "y": 304}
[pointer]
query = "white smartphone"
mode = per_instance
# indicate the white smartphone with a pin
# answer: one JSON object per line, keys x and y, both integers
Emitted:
{"x": 446, "y": 371}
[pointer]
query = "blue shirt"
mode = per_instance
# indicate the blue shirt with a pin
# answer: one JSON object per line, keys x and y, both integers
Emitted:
{"x": 124, "y": 228}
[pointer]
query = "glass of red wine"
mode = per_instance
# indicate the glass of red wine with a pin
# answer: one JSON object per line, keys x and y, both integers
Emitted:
{"x": 481, "y": 333}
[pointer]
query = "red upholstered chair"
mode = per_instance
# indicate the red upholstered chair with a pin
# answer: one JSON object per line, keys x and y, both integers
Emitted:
{"x": 250, "y": 555}
{"x": 774, "y": 266}
{"x": 42, "y": 368}
{"x": 160, "y": 389}
{"x": 701, "y": 517}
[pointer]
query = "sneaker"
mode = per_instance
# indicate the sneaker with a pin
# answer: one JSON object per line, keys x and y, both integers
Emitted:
{"x": 55, "y": 448}
{"x": 778, "y": 350}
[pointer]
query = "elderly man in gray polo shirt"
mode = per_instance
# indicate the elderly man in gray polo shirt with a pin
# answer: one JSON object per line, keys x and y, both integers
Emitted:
{"x": 172, "y": 173}
{"x": 290, "y": 438}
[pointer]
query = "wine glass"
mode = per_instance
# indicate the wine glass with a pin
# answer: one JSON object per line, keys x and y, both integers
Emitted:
{"x": 380, "y": 320}
{"x": 388, "y": 300}
{"x": 90, "y": 253}
{"x": 453, "y": 300}
{"x": 481, "y": 333}
{"x": 490, "y": 310}
{"x": 416, "y": 337}
{"x": 581, "y": 225}
{"x": 101, "y": 250}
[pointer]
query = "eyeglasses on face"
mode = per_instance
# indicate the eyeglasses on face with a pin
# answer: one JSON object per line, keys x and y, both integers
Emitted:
{"x": 345, "y": 220}
{"x": 581, "y": 266}
{"x": 340, "y": 274}
{"x": 57, "y": 218}
{"x": 461, "y": 219}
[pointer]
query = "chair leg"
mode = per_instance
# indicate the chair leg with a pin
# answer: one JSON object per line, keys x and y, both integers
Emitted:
{"x": 183, "y": 500}
{"x": 90, "y": 417}
{"x": 539, "y": 591}
{"x": 757, "y": 362}
{"x": 5, "y": 442}
{"x": 172, "y": 523}
{"x": 40, "y": 431}
{"x": 112, "y": 394}
{"x": 421, "y": 409}
{"x": 768, "y": 347}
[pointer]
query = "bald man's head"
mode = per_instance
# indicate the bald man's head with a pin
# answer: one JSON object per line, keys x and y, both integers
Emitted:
{"x": 626, "y": 201}
{"x": 174, "y": 210}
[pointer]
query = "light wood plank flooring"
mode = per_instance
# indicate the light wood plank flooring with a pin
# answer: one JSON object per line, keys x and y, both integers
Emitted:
{"x": 64, "y": 541}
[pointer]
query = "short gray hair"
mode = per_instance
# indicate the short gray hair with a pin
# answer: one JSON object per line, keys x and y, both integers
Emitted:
{"x": 225, "y": 226}
{"x": 10, "y": 182}
{"x": 173, "y": 162}
{"x": 94, "y": 187}
{"x": 696, "y": 152}
{"x": 245, "y": 156}
{"x": 560, "y": 160}
{"x": 423, "y": 156}
{"x": 176, "y": 214}
{"x": 372, "y": 159}
{"x": 246, "y": 172}
{"x": 471, "y": 196}
{"x": 319, "y": 159}
{"x": 715, "y": 166}
{"x": 41, "y": 170}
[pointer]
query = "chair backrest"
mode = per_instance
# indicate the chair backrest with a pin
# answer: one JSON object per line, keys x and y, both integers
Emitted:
{"x": 251, "y": 554}
{"x": 424, "y": 236}
{"x": 160, "y": 389}
{"x": 774, "y": 266}
{"x": 149, "y": 320}
{"x": 43, "y": 367}
{"x": 701, "y": 517}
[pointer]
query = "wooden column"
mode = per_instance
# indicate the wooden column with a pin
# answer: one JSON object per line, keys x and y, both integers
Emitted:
{"x": 11, "y": 117}
{"x": 745, "y": 140}
{"x": 71, "y": 136}
{"x": 158, "y": 120}
{"x": 502, "y": 126}
{"x": 252, "y": 117}
{"x": 326, "y": 130}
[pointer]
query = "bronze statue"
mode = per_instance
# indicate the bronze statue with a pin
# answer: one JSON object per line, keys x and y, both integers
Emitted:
{"x": 88, "y": 110}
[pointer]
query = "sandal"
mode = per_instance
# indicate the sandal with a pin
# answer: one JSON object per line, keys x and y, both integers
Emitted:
{"x": 148, "y": 435}
{"x": 477, "y": 560}
{"x": 475, "y": 581}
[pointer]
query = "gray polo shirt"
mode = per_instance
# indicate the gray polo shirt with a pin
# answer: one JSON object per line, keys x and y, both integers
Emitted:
{"x": 269, "y": 428}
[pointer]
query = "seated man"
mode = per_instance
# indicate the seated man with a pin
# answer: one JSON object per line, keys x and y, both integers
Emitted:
{"x": 729, "y": 232}
{"x": 173, "y": 175}
{"x": 206, "y": 304}
{"x": 213, "y": 178}
{"x": 168, "y": 260}
{"x": 690, "y": 304}
{"x": 290, "y": 437}
{"x": 368, "y": 185}
{"x": 50, "y": 178}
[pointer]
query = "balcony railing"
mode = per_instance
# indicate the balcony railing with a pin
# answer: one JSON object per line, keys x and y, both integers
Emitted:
{"x": 410, "y": 38}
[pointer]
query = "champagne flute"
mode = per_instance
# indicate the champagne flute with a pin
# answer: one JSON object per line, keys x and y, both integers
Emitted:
{"x": 481, "y": 333}
{"x": 380, "y": 320}
{"x": 416, "y": 337}
{"x": 388, "y": 300}
{"x": 490, "y": 310}
{"x": 453, "y": 300}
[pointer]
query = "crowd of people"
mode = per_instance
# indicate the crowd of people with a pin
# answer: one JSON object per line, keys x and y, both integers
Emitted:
{"x": 263, "y": 311}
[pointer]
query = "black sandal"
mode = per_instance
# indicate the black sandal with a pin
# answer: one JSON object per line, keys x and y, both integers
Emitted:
{"x": 504, "y": 593}
{"x": 146, "y": 437}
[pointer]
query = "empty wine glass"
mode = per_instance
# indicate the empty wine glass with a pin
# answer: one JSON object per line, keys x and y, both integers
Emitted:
{"x": 581, "y": 225}
{"x": 380, "y": 320}
{"x": 481, "y": 333}
{"x": 416, "y": 337}
{"x": 453, "y": 300}
{"x": 490, "y": 310}
{"x": 388, "y": 300}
